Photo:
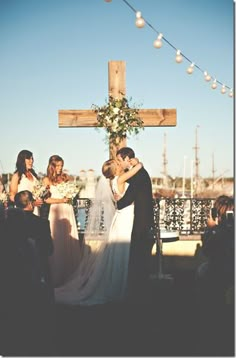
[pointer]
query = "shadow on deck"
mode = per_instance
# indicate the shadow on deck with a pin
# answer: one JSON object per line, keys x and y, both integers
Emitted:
{"x": 172, "y": 324}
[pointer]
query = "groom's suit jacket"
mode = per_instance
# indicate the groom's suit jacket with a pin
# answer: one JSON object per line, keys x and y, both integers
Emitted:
{"x": 139, "y": 192}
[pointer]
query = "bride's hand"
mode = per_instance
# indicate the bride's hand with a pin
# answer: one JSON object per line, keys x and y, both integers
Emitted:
{"x": 134, "y": 161}
{"x": 116, "y": 196}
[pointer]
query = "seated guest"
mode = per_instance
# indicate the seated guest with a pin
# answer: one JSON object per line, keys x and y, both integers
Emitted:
{"x": 39, "y": 237}
{"x": 27, "y": 293}
{"x": 215, "y": 277}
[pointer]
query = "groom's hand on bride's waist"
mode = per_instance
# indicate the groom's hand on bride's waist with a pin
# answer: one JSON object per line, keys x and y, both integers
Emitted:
{"x": 117, "y": 196}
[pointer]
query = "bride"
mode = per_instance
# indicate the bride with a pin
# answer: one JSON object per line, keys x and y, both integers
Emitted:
{"x": 102, "y": 274}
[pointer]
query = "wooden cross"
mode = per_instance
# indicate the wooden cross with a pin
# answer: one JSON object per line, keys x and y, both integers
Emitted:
{"x": 116, "y": 89}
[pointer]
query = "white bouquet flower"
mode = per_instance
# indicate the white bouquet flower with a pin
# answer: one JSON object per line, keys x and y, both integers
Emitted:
{"x": 68, "y": 190}
{"x": 40, "y": 191}
{"x": 4, "y": 197}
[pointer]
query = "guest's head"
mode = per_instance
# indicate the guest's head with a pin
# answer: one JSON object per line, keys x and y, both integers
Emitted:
{"x": 24, "y": 200}
{"x": 24, "y": 163}
{"x": 124, "y": 155}
{"x": 222, "y": 204}
{"x": 55, "y": 169}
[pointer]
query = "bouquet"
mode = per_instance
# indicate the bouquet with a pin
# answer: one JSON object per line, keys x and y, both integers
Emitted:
{"x": 41, "y": 191}
{"x": 68, "y": 190}
{"x": 4, "y": 197}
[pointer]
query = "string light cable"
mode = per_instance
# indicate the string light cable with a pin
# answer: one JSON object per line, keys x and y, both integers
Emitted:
{"x": 140, "y": 23}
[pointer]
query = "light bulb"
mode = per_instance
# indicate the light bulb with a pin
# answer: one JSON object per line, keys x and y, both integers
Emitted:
{"x": 231, "y": 93}
{"x": 190, "y": 69}
{"x": 178, "y": 57}
{"x": 223, "y": 89}
{"x": 158, "y": 43}
{"x": 139, "y": 20}
{"x": 214, "y": 84}
{"x": 207, "y": 76}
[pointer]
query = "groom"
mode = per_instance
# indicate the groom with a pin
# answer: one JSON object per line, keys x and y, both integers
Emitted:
{"x": 139, "y": 192}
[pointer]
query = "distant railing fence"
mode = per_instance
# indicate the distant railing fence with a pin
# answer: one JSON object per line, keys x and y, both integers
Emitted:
{"x": 188, "y": 216}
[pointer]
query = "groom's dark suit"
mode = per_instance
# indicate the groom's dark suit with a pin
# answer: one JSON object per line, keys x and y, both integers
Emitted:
{"x": 139, "y": 192}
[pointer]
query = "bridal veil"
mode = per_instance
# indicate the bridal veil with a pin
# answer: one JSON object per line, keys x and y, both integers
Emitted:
{"x": 100, "y": 216}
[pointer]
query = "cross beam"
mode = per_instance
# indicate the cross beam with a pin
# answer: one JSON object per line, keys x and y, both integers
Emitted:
{"x": 116, "y": 89}
{"x": 88, "y": 118}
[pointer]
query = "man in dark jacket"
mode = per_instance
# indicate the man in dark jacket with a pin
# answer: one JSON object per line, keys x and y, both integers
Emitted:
{"x": 139, "y": 192}
{"x": 39, "y": 239}
{"x": 27, "y": 293}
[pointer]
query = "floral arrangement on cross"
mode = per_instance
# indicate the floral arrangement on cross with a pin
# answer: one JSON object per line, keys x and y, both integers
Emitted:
{"x": 118, "y": 118}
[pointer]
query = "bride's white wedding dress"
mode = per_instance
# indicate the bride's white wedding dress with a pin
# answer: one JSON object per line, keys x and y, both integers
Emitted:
{"x": 102, "y": 275}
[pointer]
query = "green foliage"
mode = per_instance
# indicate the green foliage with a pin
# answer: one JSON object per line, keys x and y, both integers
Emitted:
{"x": 118, "y": 118}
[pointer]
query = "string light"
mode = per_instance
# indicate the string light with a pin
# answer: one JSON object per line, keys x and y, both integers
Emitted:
{"x": 139, "y": 20}
{"x": 178, "y": 57}
{"x": 214, "y": 84}
{"x": 158, "y": 43}
{"x": 231, "y": 93}
{"x": 223, "y": 89}
{"x": 207, "y": 76}
{"x": 190, "y": 69}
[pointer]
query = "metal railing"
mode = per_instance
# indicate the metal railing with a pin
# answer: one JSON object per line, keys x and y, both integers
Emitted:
{"x": 188, "y": 216}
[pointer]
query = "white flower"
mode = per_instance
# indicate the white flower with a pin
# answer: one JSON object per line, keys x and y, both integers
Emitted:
{"x": 116, "y": 110}
{"x": 3, "y": 197}
{"x": 114, "y": 127}
{"x": 39, "y": 191}
{"x": 68, "y": 189}
{"x": 118, "y": 118}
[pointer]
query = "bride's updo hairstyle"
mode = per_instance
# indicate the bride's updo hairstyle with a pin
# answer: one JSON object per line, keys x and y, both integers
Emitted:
{"x": 51, "y": 170}
{"x": 109, "y": 169}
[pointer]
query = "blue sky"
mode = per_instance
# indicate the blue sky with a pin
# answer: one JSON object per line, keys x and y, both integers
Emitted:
{"x": 55, "y": 53}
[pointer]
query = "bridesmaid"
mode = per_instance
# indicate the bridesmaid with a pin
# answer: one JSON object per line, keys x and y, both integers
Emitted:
{"x": 67, "y": 252}
{"x": 25, "y": 177}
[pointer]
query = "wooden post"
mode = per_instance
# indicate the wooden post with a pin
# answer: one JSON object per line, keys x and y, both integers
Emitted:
{"x": 117, "y": 89}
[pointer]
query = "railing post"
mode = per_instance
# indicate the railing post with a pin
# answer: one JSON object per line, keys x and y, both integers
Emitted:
{"x": 191, "y": 216}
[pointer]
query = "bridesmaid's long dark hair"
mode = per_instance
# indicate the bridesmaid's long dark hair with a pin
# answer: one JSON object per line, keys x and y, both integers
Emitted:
{"x": 20, "y": 164}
